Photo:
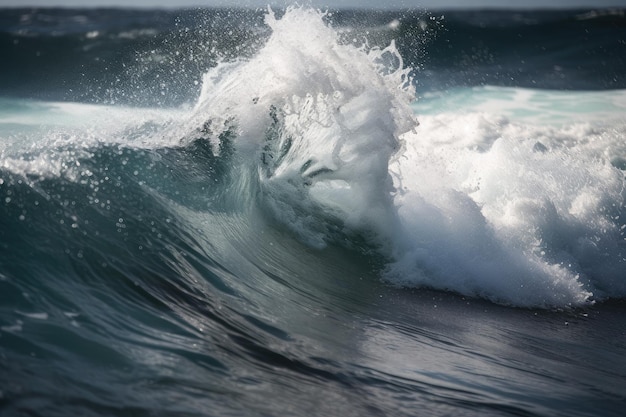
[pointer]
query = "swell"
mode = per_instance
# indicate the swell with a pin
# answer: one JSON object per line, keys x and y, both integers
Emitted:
{"x": 330, "y": 152}
{"x": 153, "y": 268}
{"x": 128, "y": 273}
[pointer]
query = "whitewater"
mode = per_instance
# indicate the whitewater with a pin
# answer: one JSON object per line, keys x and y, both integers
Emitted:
{"x": 512, "y": 209}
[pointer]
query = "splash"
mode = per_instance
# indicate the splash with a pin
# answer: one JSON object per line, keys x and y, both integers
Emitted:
{"x": 324, "y": 138}
{"x": 475, "y": 204}
{"x": 320, "y": 119}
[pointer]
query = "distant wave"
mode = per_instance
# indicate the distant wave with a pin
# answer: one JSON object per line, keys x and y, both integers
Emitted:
{"x": 115, "y": 56}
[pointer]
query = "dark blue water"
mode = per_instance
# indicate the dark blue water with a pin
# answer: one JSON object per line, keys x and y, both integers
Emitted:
{"x": 161, "y": 256}
{"x": 156, "y": 57}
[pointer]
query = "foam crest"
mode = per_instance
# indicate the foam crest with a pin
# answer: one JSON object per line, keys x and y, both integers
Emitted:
{"x": 476, "y": 203}
{"x": 522, "y": 215}
{"x": 321, "y": 119}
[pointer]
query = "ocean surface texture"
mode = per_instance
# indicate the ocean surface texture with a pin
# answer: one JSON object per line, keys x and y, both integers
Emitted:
{"x": 304, "y": 213}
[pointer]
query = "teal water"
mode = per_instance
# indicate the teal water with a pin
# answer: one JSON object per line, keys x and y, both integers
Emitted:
{"x": 312, "y": 229}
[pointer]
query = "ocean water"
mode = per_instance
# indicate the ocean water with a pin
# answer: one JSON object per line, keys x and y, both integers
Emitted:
{"x": 302, "y": 213}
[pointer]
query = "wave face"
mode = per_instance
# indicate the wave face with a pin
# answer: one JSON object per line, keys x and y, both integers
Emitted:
{"x": 290, "y": 229}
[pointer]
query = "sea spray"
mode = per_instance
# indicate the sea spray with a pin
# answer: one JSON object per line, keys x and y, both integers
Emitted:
{"x": 473, "y": 203}
{"x": 321, "y": 120}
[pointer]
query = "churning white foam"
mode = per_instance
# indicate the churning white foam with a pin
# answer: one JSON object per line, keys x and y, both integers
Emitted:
{"x": 522, "y": 215}
{"x": 525, "y": 215}
{"x": 48, "y": 139}
{"x": 322, "y": 118}
{"x": 518, "y": 212}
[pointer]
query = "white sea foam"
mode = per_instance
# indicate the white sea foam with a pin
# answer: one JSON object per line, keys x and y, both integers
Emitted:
{"x": 484, "y": 205}
{"x": 48, "y": 139}
{"x": 523, "y": 215}
{"x": 323, "y": 119}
